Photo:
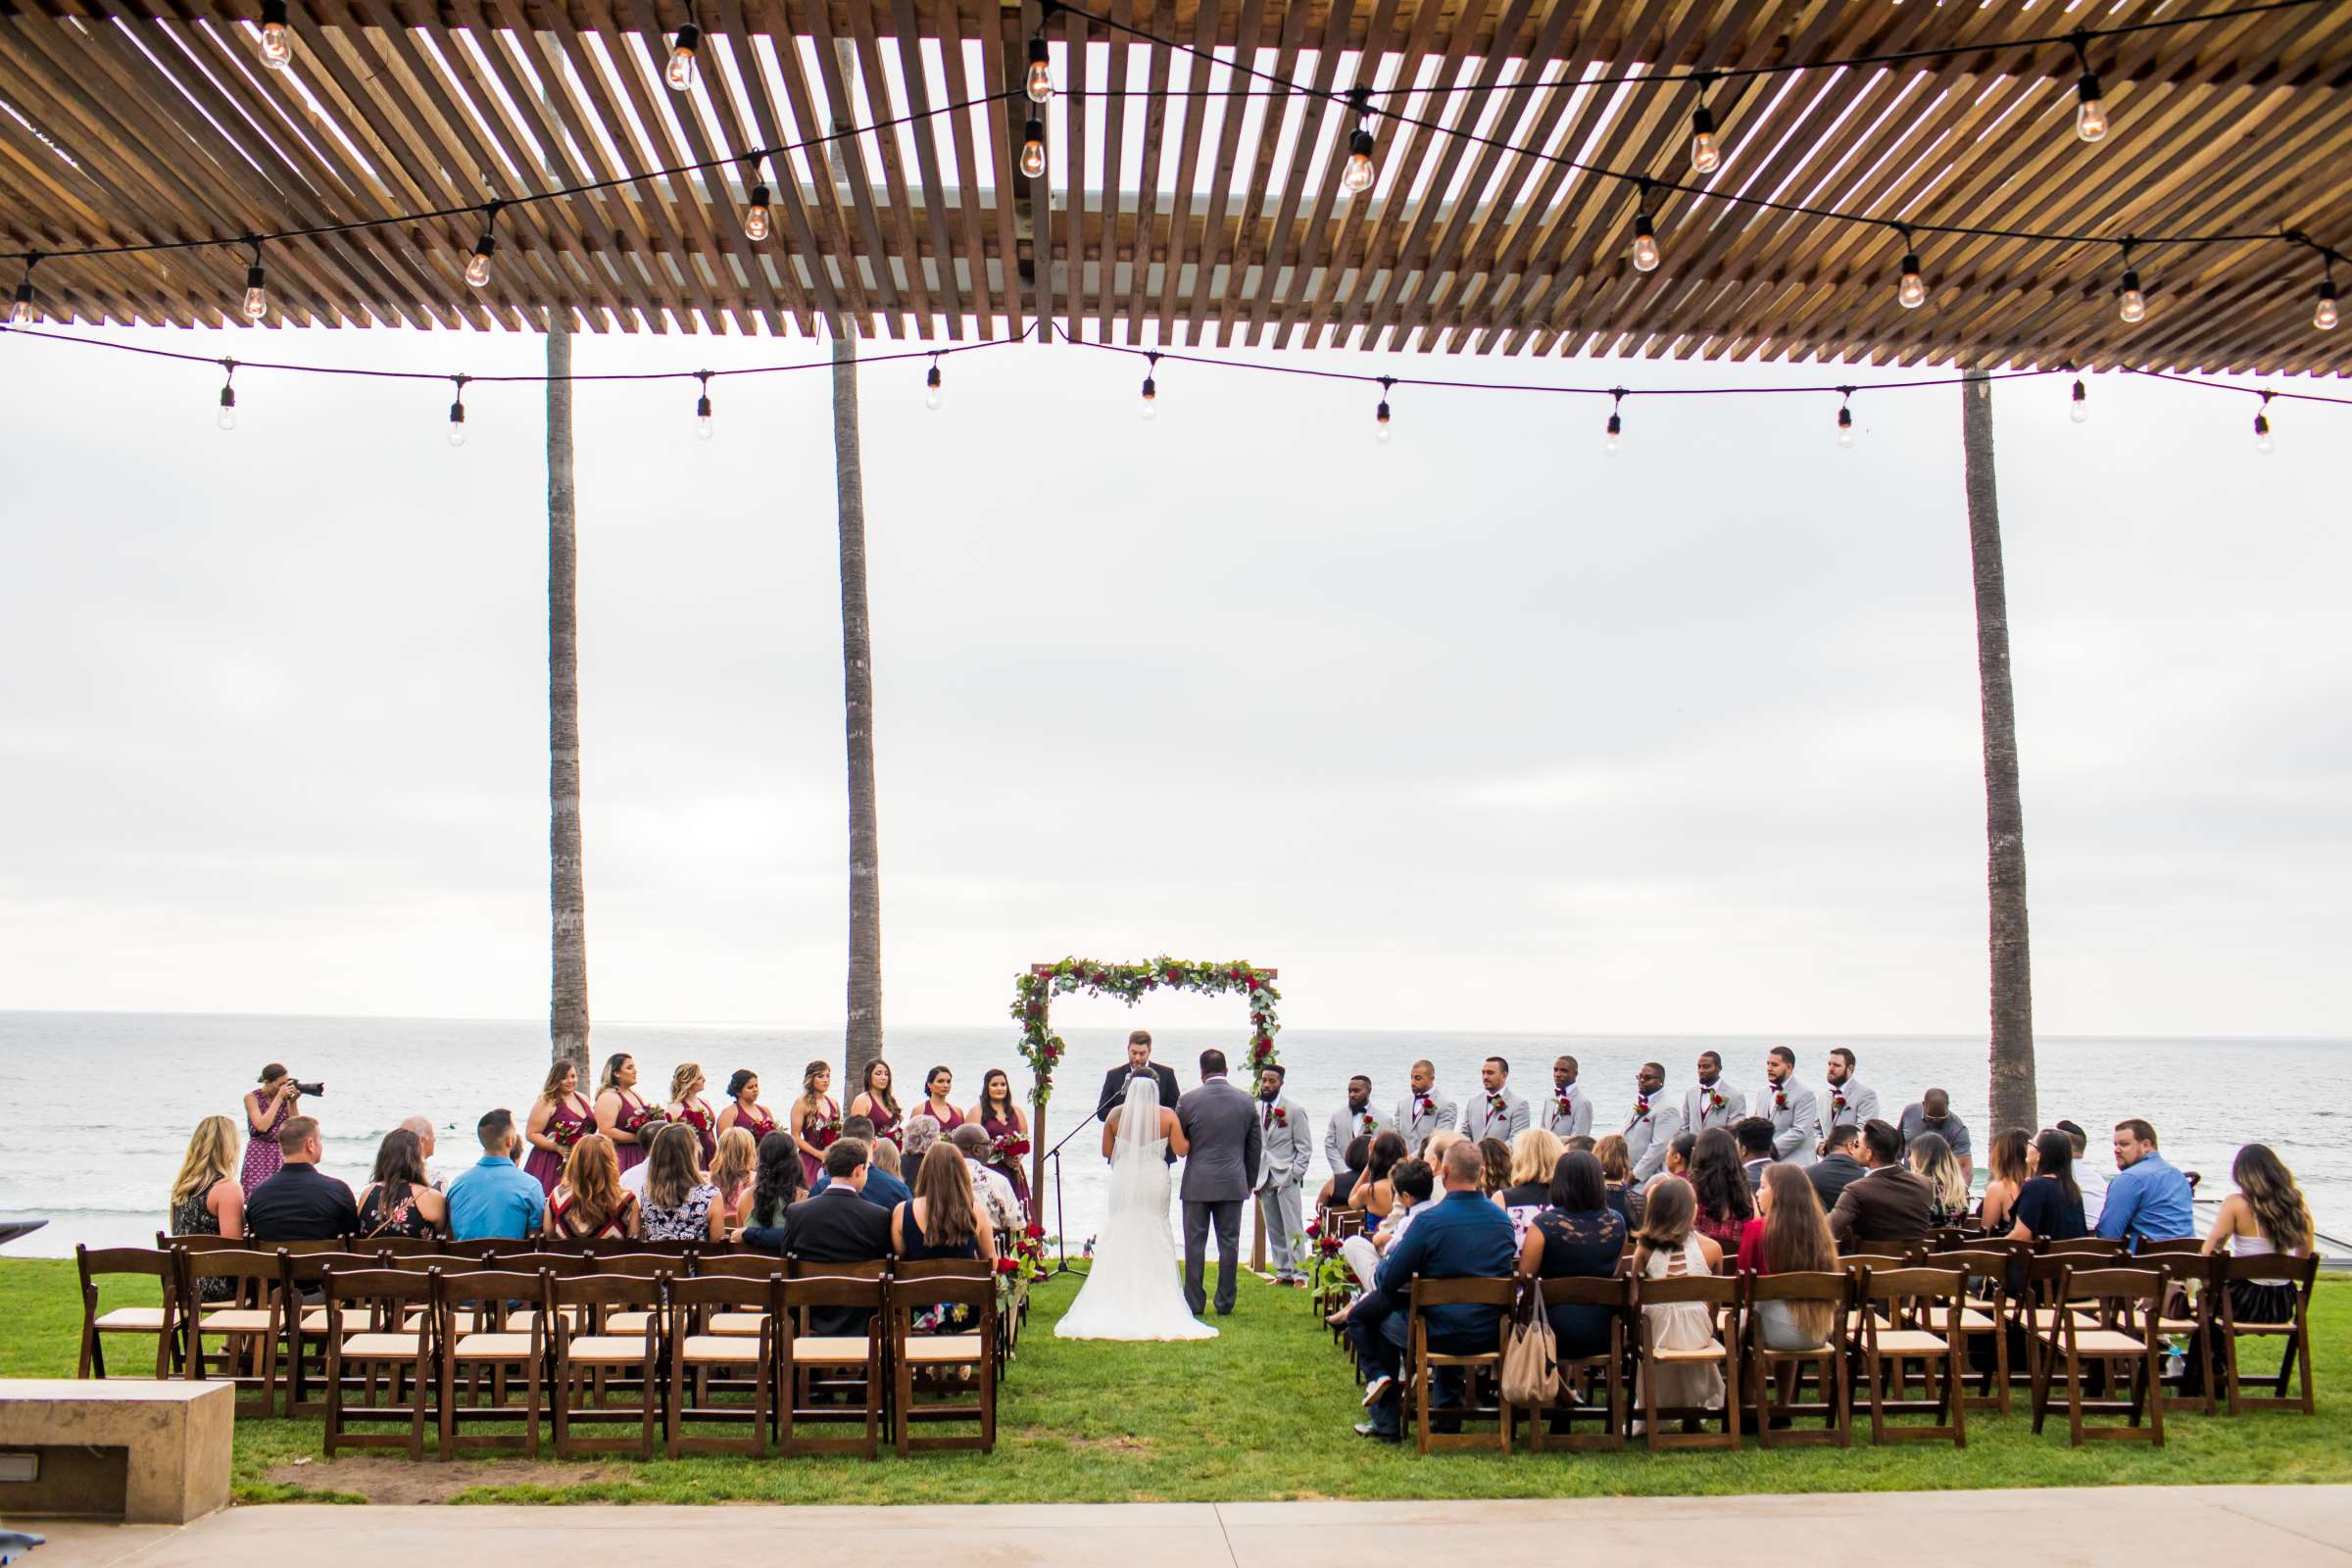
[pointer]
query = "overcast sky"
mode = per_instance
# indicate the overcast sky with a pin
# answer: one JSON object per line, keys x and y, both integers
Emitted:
{"x": 1478, "y": 729}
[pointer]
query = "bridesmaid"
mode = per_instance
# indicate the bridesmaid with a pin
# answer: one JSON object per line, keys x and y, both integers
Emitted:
{"x": 815, "y": 1120}
{"x": 938, "y": 1084}
{"x": 877, "y": 1104}
{"x": 558, "y": 1119}
{"x": 620, "y": 1110}
{"x": 686, "y": 1105}
{"x": 744, "y": 1109}
{"x": 266, "y": 1110}
{"x": 1002, "y": 1121}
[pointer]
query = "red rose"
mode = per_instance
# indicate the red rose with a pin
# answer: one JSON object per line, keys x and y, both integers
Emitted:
{"x": 1009, "y": 1266}
{"x": 1037, "y": 1233}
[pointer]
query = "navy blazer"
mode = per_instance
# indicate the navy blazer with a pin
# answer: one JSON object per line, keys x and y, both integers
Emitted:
{"x": 1463, "y": 1236}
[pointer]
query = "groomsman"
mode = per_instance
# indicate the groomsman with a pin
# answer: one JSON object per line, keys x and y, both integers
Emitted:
{"x": 1569, "y": 1114}
{"x": 1794, "y": 1110}
{"x": 1653, "y": 1127}
{"x": 1852, "y": 1102}
{"x": 1355, "y": 1119}
{"x": 1424, "y": 1112}
{"x": 1713, "y": 1102}
{"x": 1501, "y": 1112}
{"x": 1282, "y": 1176}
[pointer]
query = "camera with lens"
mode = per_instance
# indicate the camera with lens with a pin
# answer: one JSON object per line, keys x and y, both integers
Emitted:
{"x": 314, "y": 1090}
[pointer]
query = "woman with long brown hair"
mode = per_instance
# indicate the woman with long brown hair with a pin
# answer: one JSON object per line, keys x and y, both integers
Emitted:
{"x": 1616, "y": 1157}
{"x": 688, "y": 1107}
{"x": 679, "y": 1204}
{"x": 815, "y": 1120}
{"x": 1792, "y": 1238}
{"x": 876, "y": 1104}
{"x": 207, "y": 1198}
{"x": 590, "y": 1201}
{"x": 621, "y": 1112}
{"x": 944, "y": 1218}
{"x": 1374, "y": 1192}
{"x": 559, "y": 1119}
{"x": 2266, "y": 1215}
{"x": 1719, "y": 1183}
{"x": 399, "y": 1198}
{"x": 1008, "y": 1131}
{"x": 1670, "y": 1246}
{"x": 2008, "y": 1179}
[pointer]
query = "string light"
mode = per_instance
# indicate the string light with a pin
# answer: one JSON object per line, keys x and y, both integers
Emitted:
{"x": 1647, "y": 255}
{"x": 1358, "y": 175}
{"x": 931, "y": 385}
{"x": 1845, "y": 420}
{"x": 1910, "y": 289}
{"x": 701, "y": 408}
{"x": 1705, "y": 156}
{"x": 1032, "y": 148}
{"x": 2091, "y": 113}
{"x": 1380, "y": 416}
{"x": 2131, "y": 304}
{"x": 1615, "y": 438}
{"x": 2079, "y": 410}
{"x": 278, "y": 39}
{"x": 758, "y": 222}
{"x": 2323, "y": 312}
{"x": 2264, "y": 442}
{"x": 477, "y": 267}
{"x": 256, "y": 290}
{"x": 1039, "y": 86}
{"x": 1152, "y": 388}
{"x": 457, "y": 412}
{"x": 680, "y": 75}
{"x": 22, "y": 313}
{"x": 228, "y": 417}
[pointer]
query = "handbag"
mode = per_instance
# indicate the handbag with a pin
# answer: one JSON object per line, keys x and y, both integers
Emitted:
{"x": 1530, "y": 1362}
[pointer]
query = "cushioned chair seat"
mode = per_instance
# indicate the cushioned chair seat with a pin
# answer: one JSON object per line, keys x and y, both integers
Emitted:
{"x": 386, "y": 1345}
{"x": 2106, "y": 1342}
{"x": 737, "y": 1322}
{"x": 1707, "y": 1353}
{"x": 2178, "y": 1325}
{"x": 627, "y": 1349}
{"x": 833, "y": 1349}
{"x": 719, "y": 1349}
{"x": 1973, "y": 1321}
{"x": 459, "y": 1322}
{"x": 133, "y": 1319}
{"x": 567, "y": 1314}
{"x": 313, "y": 1321}
{"x": 925, "y": 1348}
{"x": 494, "y": 1347}
{"x": 628, "y": 1322}
{"x": 1910, "y": 1341}
{"x": 2044, "y": 1318}
{"x": 237, "y": 1320}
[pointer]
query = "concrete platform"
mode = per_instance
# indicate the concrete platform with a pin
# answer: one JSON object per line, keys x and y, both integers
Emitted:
{"x": 145, "y": 1452}
{"x": 2277, "y": 1527}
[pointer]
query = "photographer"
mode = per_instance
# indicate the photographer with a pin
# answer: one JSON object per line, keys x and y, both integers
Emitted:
{"x": 267, "y": 1109}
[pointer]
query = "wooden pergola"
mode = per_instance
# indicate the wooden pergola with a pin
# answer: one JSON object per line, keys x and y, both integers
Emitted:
{"x": 1179, "y": 212}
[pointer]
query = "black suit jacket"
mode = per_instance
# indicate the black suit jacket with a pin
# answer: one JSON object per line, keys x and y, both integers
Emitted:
{"x": 1114, "y": 1089}
{"x": 837, "y": 1226}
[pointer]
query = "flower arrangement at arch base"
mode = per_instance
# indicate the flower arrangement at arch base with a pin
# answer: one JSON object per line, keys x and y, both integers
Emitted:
{"x": 1042, "y": 1049}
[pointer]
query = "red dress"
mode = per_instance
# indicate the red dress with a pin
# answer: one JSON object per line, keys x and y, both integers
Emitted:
{"x": 1002, "y": 1161}
{"x": 697, "y": 1114}
{"x": 820, "y": 1126}
{"x": 566, "y": 1126}
{"x": 887, "y": 1123}
{"x": 632, "y": 1116}
{"x": 947, "y": 1123}
{"x": 755, "y": 1120}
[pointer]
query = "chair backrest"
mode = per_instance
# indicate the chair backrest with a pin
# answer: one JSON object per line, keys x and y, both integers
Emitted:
{"x": 258, "y": 1270}
{"x": 563, "y": 1265}
{"x": 397, "y": 1288}
{"x": 1983, "y": 1262}
{"x": 739, "y": 1290}
{"x": 477, "y": 1246}
{"x": 1613, "y": 1291}
{"x": 327, "y": 1244}
{"x": 490, "y": 1290}
{"x": 2134, "y": 1289}
{"x": 402, "y": 1246}
{"x": 2082, "y": 1245}
{"x": 160, "y": 1264}
{"x": 1347, "y": 1222}
{"x": 2274, "y": 1269}
{"x": 975, "y": 1292}
{"x": 1471, "y": 1292}
{"x": 308, "y": 1268}
{"x": 739, "y": 1266}
{"x": 643, "y": 1248}
{"x": 1899, "y": 1283}
{"x": 832, "y": 1290}
{"x": 1880, "y": 1257}
{"x": 1713, "y": 1290}
{"x": 2186, "y": 1246}
{"x": 874, "y": 1268}
{"x": 942, "y": 1268}
{"x": 1836, "y": 1288}
{"x": 637, "y": 1265}
{"x": 200, "y": 1242}
{"x": 608, "y": 1290}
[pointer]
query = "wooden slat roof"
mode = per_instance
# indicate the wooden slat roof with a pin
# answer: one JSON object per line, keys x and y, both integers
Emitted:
{"x": 1188, "y": 204}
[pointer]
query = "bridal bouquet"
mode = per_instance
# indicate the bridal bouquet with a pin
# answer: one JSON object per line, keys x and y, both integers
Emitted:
{"x": 1007, "y": 1149}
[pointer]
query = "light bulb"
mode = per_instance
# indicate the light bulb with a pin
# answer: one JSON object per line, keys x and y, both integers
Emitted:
{"x": 2323, "y": 315}
{"x": 1616, "y": 436}
{"x": 2090, "y": 114}
{"x": 2264, "y": 443}
{"x": 1151, "y": 398}
{"x": 1360, "y": 173}
{"x": 1845, "y": 428}
{"x": 1032, "y": 148}
{"x": 1645, "y": 245}
{"x": 457, "y": 424}
{"x": 1380, "y": 429}
{"x": 1912, "y": 291}
{"x": 2131, "y": 304}
{"x": 757, "y": 219}
{"x": 227, "y": 419}
{"x": 931, "y": 388}
{"x": 277, "y": 39}
{"x": 256, "y": 295}
{"x": 680, "y": 75}
{"x": 22, "y": 312}
{"x": 1705, "y": 156}
{"x": 477, "y": 266}
{"x": 1041, "y": 74}
{"x": 2080, "y": 410}
{"x": 702, "y": 419}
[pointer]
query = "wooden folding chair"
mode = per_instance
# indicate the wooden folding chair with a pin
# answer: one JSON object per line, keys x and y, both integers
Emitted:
{"x": 1579, "y": 1374}
{"x": 408, "y": 1246}
{"x": 2123, "y": 1338}
{"x": 367, "y": 1343}
{"x": 301, "y": 1286}
{"x": 474, "y": 1251}
{"x": 160, "y": 1323}
{"x": 802, "y": 1355}
{"x": 1774, "y": 1373}
{"x": 251, "y": 1326}
{"x": 1721, "y": 1297}
{"x": 2187, "y": 1310}
{"x": 944, "y": 1359}
{"x": 563, "y": 1265}
{"x": 2302, "y": 1273}
{"x": 700, "y": 1347}
{"x": 504, "y": 1341}
{"x": 1985, "y": 1315}
{"x": 1913, "y": 1314}
{"x": 618, "y": 1333}
{"x": 1421, "y": 1362}
{"x": 2080, "y": 1246}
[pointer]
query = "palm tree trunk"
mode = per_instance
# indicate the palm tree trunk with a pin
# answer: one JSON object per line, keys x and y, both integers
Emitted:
{"x": 863, "y": 1041}
{"x": 568, "y": 1010}
{"x": 2013, "y": 1096}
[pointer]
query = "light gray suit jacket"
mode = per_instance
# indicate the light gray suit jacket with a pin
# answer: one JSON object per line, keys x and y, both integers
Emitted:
{"x": 1288, "y": 1146}
{"x": 1861, "y": 1105}
{"x": 1480, "y": 1118}
{"x": 1698, "y": 1115}
{"x": 1648, "y": 1137}
{"x": 1220, "y": 1122}
{"x": 1418, "y": 1125}
{"x": 1574, "y": 1122}
{"x": 1344, "y": 1128}
{"x": 1797, "y": 1131}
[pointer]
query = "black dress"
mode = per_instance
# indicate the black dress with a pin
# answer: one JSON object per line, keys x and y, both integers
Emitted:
{"x": 387, "y": 1213}
{"x": 1584, "y": 1246}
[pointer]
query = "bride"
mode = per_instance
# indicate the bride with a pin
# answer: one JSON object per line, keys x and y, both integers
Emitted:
{"x": 1132, "y": 1291}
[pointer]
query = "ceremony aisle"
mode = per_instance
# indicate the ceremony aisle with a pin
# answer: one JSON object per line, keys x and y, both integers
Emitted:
{"x": 1263, "y": 1413}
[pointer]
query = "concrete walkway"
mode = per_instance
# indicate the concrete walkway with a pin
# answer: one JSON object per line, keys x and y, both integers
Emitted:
{"x": 2271, "y": 1527}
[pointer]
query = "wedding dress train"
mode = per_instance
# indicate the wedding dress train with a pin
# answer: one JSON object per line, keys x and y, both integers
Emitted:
{"x": 1132, "y": 1289}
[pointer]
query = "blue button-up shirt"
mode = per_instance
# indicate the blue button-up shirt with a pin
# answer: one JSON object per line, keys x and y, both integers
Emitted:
{"x": 1463, "y": 1236}
{"x": 495, "y": 1196}
{"x": 2148, "y": 1203}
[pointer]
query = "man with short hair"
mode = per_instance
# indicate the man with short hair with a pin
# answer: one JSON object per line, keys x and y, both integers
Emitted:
{"x": 1285, "y": 1147}
{"x": 2147, "y": 1202}
{"x": 1463, "y": 1236}
{"x": 1569, "y": 1112}
{"x": 1139, "y": 1061}
{"x": 1650, "y": 1131}
{"x": 839, "y": 1226}
{"x": 881, "y": 1187}
{"x": 1500, "y": 1111}
{"x": 494, "y": 1196}
{"x": 1838, "y": 1168}
{"x": 1712, "y": 1103}
{"x": 1753, "y": 1135}
{"x": 1423, "y": 1113}
{"x": 2089, "y": 1181}
{"x": 1931, "y": 1113}
{"x": 1851, "y": 1102}
{"x": 996, "y": 1193}
{"x": 1355, "y": 1119}
{"x": 1888, "y": 1205}
{"x": 1792, "y": 1111}
{"x": 1220, "y": 1123}
{"x": 301, "y": 1203}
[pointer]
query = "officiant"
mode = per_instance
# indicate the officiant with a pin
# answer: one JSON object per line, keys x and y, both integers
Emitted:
{"x": 1138, "y": 1059}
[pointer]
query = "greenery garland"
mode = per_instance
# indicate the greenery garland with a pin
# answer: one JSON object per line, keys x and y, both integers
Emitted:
{"x": 1033, "y": 994}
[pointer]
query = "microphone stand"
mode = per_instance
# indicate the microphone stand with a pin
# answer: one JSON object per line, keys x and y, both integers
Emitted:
{"x": 1061, "y": 1226}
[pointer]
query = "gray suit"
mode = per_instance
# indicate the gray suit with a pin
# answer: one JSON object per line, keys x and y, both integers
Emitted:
{"x": 1797, "y": 1131}
{"x": 1648, "y": 1137}
{"x": 1282, "y": 1181}
{"x": 1574, "y": 1122}
{"x": 1699, "y": 1108}
{"x": 1480, "y": 1118}
{"x": 1220, "y": 1123}
{"x": 1419, "y": 1126}
{"x": 1861, "y": 1105}
{"x": 1346, "y": 1127}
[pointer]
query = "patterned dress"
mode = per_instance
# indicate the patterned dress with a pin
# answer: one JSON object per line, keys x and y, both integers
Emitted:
{"x": 261, "y": 1157}
{"x": 567, "y": 1126}
{"x": 688, "y": 1221}
{"x": 190, "y": 1218}
{"x": 386, "y": 1213}
{"x": 1008, "y": 1166}
{"x": 564, "y": 1219}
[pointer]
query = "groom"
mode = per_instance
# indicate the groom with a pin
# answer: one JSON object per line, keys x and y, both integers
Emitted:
{"x": 1220, "y": 1123}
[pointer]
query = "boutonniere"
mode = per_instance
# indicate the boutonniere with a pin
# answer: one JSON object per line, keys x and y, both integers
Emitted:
{"x": 1714, "y": 1099}
{"x": 1428, "y": 1104}
{"x": 1640, "y": 1106}
{"x": 1495, "y": 1103}
{"x": 1370, "y": 1121}
{"x": 1837, "y": 1101}
{"x": 1282, "y": 1117}
{"x": 1561, "y": 1098}
{"x": 1780, "y": 1100}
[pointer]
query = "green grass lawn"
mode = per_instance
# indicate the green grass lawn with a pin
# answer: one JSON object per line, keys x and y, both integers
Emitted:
{"x": 1261, "y": 1413}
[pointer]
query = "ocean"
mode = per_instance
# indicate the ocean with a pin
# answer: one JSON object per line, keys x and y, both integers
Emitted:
{"x": 105, "y": 1102}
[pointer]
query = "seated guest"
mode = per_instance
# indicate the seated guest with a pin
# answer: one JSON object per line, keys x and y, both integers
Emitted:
{"x": 301, "y": 1203}
{"x": 839, "y": 1226}
{"x": 1580, "y": 1144}
{"x": 1463, "y": 1236}
{"x": 1432, "y": 1148}
{"x": 1679, "y": 1150}
{"x": 2048, "y": 1205}
{"x": 2266, "y": 1215}
{"x": 1792, "y": 1238}
{"x": 1932, "y": 1161}
{"x": 1575, "y": 1235}
{"x": 922, "y": 1130}
{"x": 998, "y": 1199}
{"x": 2007, "y": 1158}
{"x": 422, "y": 1127}
{"x": 1372, "y": 1192}
{"x": 732, "y": 1174}
{"x": 1616, "y": 1157}
{"x": 885, "y": 1156}
{"x": 206, "y": 1197}
{"x": 680, "y": 1203}
{"x": 494, "y": 1196}
{"x": 945, "y": 1218}
{"x": 1753, "y": 1134}
{"x": 1497, "y": 1156}
{"x": 1837, "y": 1169}
{"x": 1670, "y": 1246}
{"x": 399, "y": 1201}
{"x": 774, "y": 1190}
{"x": 2092, "y": 1183}
{"x": 883, "y": 1187}
{"x": 1887, "y": 1207}
{"x": 2147, "y": 1202}
{"x": 1341, "y": 1182}
{"x": 1535, "y": 1153}
{"x": 1414, "y": 1182}
{"x": 589, "y": 1201}
{"x": 1726, "y": 1203}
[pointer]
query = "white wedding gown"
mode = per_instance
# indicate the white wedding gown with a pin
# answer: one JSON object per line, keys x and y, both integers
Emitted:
{"x": 1132, "y": 1290}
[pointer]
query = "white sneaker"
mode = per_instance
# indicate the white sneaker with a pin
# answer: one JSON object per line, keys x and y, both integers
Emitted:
{"x": 1375, "y": 1389}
